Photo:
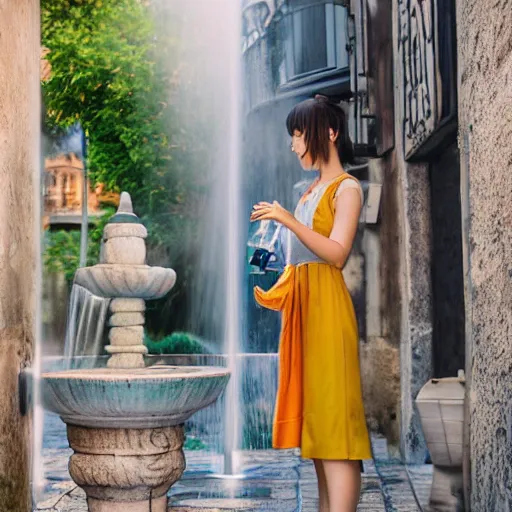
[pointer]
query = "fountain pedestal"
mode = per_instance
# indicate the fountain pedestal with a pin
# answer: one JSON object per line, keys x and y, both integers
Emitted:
{"x": 126, "y": 334}
{"x": 126, "y": 428}
{"x": 126, "y": 470}
{"x": 125, "y": 422}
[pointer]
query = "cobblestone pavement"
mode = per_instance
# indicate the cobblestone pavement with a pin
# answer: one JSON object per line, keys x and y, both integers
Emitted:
{"x": 275, "y": 481}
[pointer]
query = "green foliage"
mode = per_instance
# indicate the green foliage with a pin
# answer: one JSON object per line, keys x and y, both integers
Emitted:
{"x": 176, "y": 343}
{"x": 116, "y": 68}
{"x": 193, "y": 443}
{"x": 103, "y": 74}
{"x": 62, "y": 247}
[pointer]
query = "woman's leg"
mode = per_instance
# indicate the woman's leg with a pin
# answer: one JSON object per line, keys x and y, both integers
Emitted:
{"x": 343, "y": 484}
{"x": 323, "y": 495}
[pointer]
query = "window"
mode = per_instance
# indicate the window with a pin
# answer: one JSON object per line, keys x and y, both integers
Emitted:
{"x": 314, "y": 40}
{"x": 309, "y": 41}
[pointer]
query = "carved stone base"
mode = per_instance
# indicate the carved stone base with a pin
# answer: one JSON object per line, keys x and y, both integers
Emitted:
{"x": 126, "y": 470}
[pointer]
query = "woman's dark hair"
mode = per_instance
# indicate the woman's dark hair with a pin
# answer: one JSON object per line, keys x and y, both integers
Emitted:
{"x": 313, "y": 118}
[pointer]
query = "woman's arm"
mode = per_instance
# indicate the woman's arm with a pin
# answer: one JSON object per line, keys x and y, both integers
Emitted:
{"x": 337, "y": 247}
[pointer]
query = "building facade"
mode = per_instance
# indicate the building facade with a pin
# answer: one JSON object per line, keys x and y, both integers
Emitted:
{"x": 428, "y": 87}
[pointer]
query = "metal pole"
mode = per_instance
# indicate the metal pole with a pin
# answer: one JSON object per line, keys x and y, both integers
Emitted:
{"x": 85, "y": 215}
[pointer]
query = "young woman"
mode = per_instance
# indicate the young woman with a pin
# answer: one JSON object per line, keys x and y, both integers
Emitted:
{"x": 319, "y": 401}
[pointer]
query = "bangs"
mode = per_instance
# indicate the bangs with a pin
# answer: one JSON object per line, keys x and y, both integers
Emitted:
{"x": 300, "y": 117}
{"x": 313, "y": 118}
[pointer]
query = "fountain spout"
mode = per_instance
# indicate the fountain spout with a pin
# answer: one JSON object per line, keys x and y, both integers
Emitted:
{"x": 123, "y": 276}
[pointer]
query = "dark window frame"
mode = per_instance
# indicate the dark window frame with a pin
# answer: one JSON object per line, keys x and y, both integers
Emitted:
{"x": 336, "y": 40}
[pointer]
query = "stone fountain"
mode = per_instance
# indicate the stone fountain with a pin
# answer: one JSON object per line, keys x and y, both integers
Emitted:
{"x": 125, "y": 421}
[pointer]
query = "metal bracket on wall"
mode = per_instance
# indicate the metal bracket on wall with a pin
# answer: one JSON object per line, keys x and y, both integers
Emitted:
{"x": 25, "y": 395}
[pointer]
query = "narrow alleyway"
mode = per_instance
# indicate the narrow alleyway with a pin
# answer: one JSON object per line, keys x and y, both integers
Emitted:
{"x": 276, "y": 481}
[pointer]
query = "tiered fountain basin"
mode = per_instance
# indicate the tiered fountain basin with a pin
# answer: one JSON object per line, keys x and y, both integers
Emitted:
{"x": 125, "y": 427}
{"x": 126, "y": 281}
{"x": 157, "y": 396}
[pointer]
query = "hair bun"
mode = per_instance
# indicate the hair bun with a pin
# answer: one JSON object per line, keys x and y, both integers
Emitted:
{"x": 321, "y": 97}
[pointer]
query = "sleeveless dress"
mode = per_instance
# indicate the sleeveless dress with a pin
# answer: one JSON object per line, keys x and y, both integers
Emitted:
{"x": 319, "y": 406}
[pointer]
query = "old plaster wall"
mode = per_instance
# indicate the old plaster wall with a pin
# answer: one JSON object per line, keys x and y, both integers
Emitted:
{"x": 19, "y": 163}
{"x": 380, "y": 355}
{"x": 397, "y": 360}
{"x": 414, "y": 276}
{"x": 485, "y": 121}
{"x": 405, "y": 268}
{"x": 399, "y": 308}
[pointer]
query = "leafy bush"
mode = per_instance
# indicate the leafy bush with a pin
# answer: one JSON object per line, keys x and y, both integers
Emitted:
{"x": 176, "y": 343}
{"x": 193, "y": 443}
{"x": 62, "y": 247}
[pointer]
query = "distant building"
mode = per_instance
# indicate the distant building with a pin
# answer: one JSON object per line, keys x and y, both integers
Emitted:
{"x": 63, "y": 193}
{"x": 63, "y": 177}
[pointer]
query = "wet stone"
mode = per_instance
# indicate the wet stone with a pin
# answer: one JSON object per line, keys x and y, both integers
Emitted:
{"x": 127, "y": 305}
{"x": 126, "y": 319}
{"x": 132, "y": 335}
{"x": 387, "y": 485}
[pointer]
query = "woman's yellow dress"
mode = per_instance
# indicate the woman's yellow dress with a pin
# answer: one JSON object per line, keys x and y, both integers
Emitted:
{"x": 319, "y": 405}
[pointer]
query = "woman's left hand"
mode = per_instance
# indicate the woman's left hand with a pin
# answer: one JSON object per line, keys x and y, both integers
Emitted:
{"x": 271, "y": 211}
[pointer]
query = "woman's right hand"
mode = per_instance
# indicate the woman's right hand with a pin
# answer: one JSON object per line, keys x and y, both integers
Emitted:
{"x": 271, "y": 211}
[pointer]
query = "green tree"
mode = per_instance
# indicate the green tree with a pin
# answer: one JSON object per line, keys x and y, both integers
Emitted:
{"x": 62, "y": 247}
{"x": 104, "y": 74}
{"x": 116, "y": 69}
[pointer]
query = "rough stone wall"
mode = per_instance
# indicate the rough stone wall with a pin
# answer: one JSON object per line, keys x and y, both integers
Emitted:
{"x": 405, "y": 343}
{"x": 406, "y": 239}
{"x": 19, "y": 164}
{"x": 416, "y": 302}
{"x": 380, "y": 370}
{"x": 485, "y": 122}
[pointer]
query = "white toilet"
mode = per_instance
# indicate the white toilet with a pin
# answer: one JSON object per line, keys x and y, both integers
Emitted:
{"x": 441, "y": 408}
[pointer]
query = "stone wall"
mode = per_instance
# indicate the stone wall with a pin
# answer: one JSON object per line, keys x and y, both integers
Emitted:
{"x": 405, "y": 295}
{"x": 380, "y": 355}
{"x": 19, "y": 166}
{"x": 380, "y": 375}
{"x": 485, "y": 123}
{"x": 399, "y": 318}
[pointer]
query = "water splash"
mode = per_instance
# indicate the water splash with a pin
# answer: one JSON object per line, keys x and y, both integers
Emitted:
{"x": 257, "y": 385}
{"x": 211, "y": 32}
{"x": 86, "y": 323}
{"x": 232, "y": 268}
